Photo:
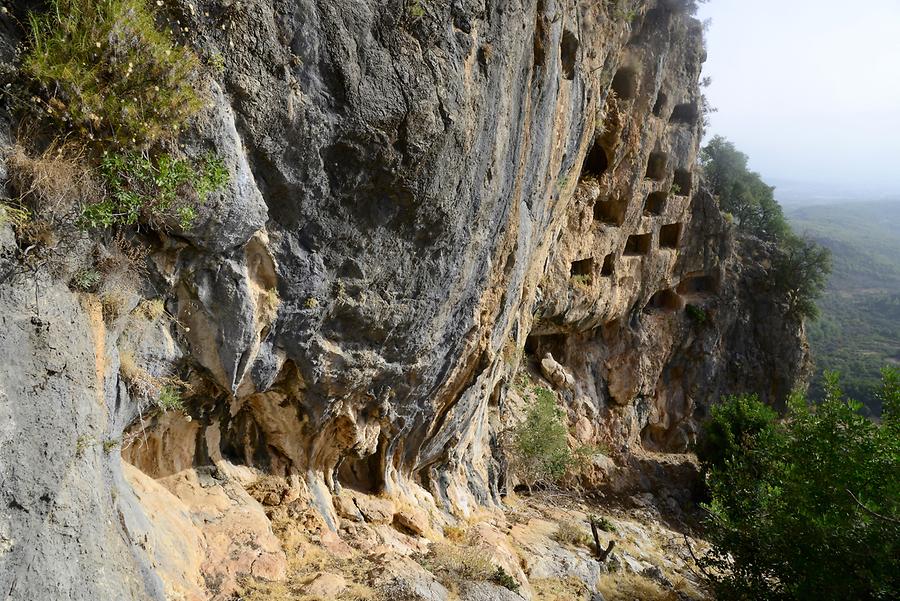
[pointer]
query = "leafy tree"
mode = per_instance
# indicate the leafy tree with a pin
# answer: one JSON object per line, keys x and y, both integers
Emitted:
{"x": 799, "y": 273}
{"x": 809, "y": 507}
{"x": 742, "y": 192}
{"x": 800, "y": 270}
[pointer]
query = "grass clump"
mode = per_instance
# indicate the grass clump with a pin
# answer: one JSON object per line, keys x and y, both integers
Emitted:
{"x": 163, "y": 392}
{"x": 455, "y": 533}
{"x": 100, "y": 75}
{"x": 104, "y": 71}
{"x": 169, "y": 398}
{"x": 458, "y": 563}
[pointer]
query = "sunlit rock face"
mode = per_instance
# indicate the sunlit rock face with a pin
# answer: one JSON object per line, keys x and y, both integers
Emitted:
{"x": 418, "y": 208}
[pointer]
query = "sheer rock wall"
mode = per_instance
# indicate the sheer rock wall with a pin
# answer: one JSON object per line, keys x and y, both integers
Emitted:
{"x": 418, "y": 207}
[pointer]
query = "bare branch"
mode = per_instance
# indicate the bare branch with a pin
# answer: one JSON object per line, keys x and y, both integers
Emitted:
{"x": 870, "y": 512}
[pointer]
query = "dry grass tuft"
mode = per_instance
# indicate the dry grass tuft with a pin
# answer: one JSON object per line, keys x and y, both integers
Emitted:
{"x": 151, "y": 309}
{"x": 164, "y": 391}
{"x": 307, "y": 559}
{"x": 55, "y": 185}
{"x": 625, "y": 586}
{"x": 139, "y": 381}
{"x": 560, "y": 589}
{"x": 571, "y": 533}
{"x": 455, "y": 534}
{"x": 455, "y": 563}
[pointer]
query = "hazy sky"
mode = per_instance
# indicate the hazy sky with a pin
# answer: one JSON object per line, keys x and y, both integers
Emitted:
{"x": 810, "y": 89}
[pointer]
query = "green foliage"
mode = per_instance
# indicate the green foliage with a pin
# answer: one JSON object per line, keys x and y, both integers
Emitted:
{"x": 733, "y": 428}
{"x": 104, "y": 71}
{"x": 415, "y": 9}
{"x": 582, "y": 280}
{"x": 602, "y": 523}
{"x": 696, "y": 313}
{"x": 806, "y": 508}
{"x": 169, "y": 399}
{"x": 742, "y": 192}
{"x": 540, "y": 450}
{"x": 216, "y": 63}
{"x": 504, "y": 579}
{"x": 152, "y": 189}
{"x": 86, "y": 279}
{"x": 800, "y": 271}
{"x": 799, "y": 274}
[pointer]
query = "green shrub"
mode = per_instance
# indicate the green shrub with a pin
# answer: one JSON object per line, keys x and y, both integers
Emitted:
{"x": 540, "y": 451}
{"x": 800, "y": 272}
{"x": 602, "y": 523}
{"x": 504, "y": 579}
{"x": 86, "y": 279}
{"x": 696, "y": 313}
{"x": 104, "y": 71}
{"x": 732, "y": 429}
{"x": 806, "y": 508}
{"x": 153, "y": 189}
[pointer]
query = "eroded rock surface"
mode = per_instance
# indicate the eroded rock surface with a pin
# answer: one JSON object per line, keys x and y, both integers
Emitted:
{"x": 420, "y": 207}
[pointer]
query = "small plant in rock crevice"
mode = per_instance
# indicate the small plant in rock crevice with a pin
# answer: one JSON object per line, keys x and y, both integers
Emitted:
{"x": 416, "y": 9}
{"x": 169, "y": 399}
{"x": 86, "y": 280}
{"x": 502, "y": 578}
{"x": 697, "y": 314}
{"x": 152, "y": 189}
{"x": 102, "y": 77}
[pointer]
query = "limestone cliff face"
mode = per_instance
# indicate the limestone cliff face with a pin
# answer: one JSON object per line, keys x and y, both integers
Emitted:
{"x": 419, "y": 206}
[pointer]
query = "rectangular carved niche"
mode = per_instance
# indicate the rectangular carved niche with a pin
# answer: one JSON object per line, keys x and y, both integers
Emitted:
{"x": 656, "y": 166}
{"x": 608, "y": 265}
{"x": 585, "y": 267}
{"x": 683, "y": 182}
{"x": 656, "y": 203}
{"x": 610, "y": 212}
{"x": 670, "y": 235}
{"x": 638, "y": 244}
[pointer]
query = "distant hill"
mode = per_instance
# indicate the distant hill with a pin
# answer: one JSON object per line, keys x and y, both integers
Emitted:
{"x": 859, "y": 330}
